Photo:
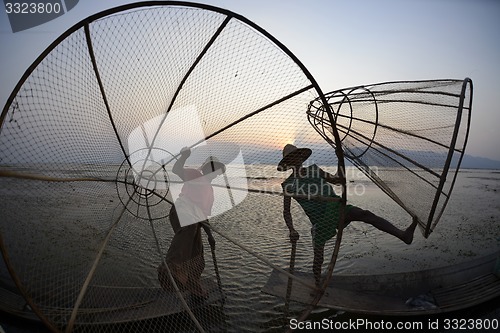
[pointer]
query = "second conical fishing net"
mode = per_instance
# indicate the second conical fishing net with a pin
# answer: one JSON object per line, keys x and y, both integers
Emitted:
{"x": 408, "y": 137}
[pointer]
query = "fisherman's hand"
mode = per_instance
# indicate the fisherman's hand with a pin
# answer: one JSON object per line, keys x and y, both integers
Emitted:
{"x": 335, "y": 179}
{"x": 185, "y": 152}
{"x": 294, "y": 236}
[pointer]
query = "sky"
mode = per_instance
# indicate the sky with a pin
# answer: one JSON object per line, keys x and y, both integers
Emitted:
{"x": 343, "y": 43}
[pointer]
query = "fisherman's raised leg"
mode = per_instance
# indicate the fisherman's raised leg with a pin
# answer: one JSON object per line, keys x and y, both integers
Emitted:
{"x": 362, "y": 215}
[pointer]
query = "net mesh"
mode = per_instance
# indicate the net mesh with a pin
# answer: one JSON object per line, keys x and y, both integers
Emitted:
{"x": 91, "y": 148}
{"x": 88, "y": 142}
{"x": 408, "y": 137}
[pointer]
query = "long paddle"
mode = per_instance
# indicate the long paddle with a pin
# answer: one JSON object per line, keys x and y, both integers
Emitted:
{"x": 290, "y": 280}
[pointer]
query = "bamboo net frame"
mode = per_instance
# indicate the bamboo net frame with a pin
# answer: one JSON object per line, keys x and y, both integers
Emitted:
{"x": 378, "y": 121}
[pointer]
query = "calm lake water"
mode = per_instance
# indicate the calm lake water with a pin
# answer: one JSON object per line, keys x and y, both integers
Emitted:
{"x": 59, "y": 228}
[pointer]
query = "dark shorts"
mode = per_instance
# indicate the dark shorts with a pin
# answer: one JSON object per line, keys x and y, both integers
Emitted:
{"x": 325, "y": 227}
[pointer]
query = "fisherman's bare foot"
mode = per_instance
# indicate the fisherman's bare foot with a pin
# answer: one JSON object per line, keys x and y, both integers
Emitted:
{"x": 408, "y": 233}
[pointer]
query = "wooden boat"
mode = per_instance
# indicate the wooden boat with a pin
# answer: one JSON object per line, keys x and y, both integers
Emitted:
{"x": 108, "y": 304}
{"x": 14, "y": 304}
{"x": 424, "y": 292}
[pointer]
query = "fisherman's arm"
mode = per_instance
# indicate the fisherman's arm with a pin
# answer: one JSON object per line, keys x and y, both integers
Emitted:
{"x": 332, "y": 179}
{"x": 178, "y": 167}
{"x": 287, "y": 216}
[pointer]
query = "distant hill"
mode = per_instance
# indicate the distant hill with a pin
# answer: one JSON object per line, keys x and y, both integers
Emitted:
{"x": 473, "y": 162}
{"x": 255, "y": 155}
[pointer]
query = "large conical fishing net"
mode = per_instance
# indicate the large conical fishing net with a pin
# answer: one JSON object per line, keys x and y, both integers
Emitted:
{"x": 408, "y": 137}
{"x": 88, "y": 141}
{"x": 106, "y": 225}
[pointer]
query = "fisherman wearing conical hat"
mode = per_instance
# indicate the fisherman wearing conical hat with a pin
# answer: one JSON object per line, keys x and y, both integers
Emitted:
{"x": 310, "y": 187}
{"x": 187, "y": 216}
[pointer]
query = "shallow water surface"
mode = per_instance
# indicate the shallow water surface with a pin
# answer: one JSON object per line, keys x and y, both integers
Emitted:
{"x": 60, "y": 234}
